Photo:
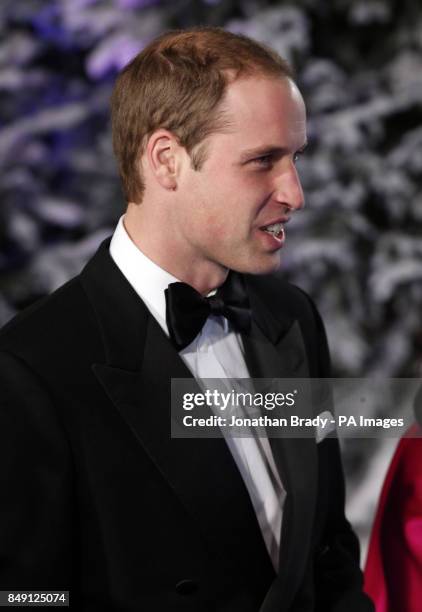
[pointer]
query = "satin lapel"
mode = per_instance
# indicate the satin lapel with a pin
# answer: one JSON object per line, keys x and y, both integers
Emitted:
{"x": 275, "y": 349}
{"x": 140, "y": 364}
{"x": 201, "y": 472}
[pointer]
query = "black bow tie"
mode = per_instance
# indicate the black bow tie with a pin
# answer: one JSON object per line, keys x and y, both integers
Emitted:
{"x": 187, "y": 310}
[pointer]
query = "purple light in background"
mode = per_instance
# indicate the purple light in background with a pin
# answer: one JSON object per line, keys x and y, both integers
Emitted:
{"x": 112, "y": 55}
{"x": 83, "y": 3}
{"x": 130, "y": 4}
{"x": 48, "y": 23}
{"x": 127, "y": 52}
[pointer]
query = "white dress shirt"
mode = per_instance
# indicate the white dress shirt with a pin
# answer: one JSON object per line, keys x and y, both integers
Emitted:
{"x": 216, "y": 352}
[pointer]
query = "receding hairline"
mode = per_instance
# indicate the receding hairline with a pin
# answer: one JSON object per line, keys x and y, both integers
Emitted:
{"x": 223, "y": 112}
{"x": 230, "y": 125}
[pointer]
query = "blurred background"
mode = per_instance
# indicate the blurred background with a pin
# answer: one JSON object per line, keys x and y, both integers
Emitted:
{"x": 356, "y": 248}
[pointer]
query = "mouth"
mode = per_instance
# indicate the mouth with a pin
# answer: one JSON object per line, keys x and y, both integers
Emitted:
{"x": 274, "y": 229}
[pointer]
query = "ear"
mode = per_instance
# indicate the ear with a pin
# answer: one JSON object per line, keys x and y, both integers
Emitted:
{"x": 161, "y": 153}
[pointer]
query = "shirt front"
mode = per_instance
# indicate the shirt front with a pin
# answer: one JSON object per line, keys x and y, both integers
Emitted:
{"x": 216, "y": 352}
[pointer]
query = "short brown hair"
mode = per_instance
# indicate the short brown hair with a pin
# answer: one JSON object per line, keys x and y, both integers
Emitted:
{"x": 176, "y": 83}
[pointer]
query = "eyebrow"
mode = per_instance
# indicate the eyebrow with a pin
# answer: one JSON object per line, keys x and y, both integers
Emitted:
{"x": 267, "y": 150}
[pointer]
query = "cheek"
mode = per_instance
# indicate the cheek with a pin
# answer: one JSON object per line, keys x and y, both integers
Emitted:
{"x": 216, "y": 226}
{"x": 225, "y": 210}
{"x": 214, "y": 212}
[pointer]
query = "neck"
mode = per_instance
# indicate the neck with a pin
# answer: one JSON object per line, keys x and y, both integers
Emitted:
{"x": 201, "y": 274}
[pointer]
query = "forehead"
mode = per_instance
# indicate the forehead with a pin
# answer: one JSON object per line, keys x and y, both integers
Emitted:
{"x": 266, "y": 109}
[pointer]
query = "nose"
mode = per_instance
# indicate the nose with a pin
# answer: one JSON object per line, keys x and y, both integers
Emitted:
{"x": 288, "y": 188}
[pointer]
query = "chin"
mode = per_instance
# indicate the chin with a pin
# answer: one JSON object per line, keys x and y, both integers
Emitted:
{"x": 263, "y": 265}
{"x": 267, "y": 269}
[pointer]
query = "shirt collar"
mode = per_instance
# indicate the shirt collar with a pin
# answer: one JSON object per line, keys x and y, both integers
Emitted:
{"x": 146, "y": 277}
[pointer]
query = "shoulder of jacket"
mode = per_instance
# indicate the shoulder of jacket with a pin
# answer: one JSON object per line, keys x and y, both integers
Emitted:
{"x": 48, "y": 319}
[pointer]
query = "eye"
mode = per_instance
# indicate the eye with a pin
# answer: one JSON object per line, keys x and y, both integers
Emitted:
{"x": 265, "y": 161}
{"x": 298, "y": 155}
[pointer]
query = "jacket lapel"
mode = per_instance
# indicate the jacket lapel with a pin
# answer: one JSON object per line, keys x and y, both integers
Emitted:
{"x": 275, "y": 349}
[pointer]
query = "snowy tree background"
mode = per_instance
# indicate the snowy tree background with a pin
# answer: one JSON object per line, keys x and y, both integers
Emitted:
{"x": 356, "y": 248}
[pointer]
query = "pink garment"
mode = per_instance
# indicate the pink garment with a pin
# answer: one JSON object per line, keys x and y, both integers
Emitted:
{"x": 393, "y": 573}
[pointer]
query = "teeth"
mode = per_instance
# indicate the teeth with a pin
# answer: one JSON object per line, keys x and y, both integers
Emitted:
{"x": 275, "y": 228}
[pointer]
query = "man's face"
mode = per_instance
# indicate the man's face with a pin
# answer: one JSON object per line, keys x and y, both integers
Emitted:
{"x": 228, "y": 211}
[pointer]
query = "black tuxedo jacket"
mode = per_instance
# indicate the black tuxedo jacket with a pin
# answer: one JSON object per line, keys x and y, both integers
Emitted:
{"x": 98, "y": 499}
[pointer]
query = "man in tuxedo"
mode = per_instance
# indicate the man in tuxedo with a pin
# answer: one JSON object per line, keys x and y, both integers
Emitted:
{"x": 98, "y": 499}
